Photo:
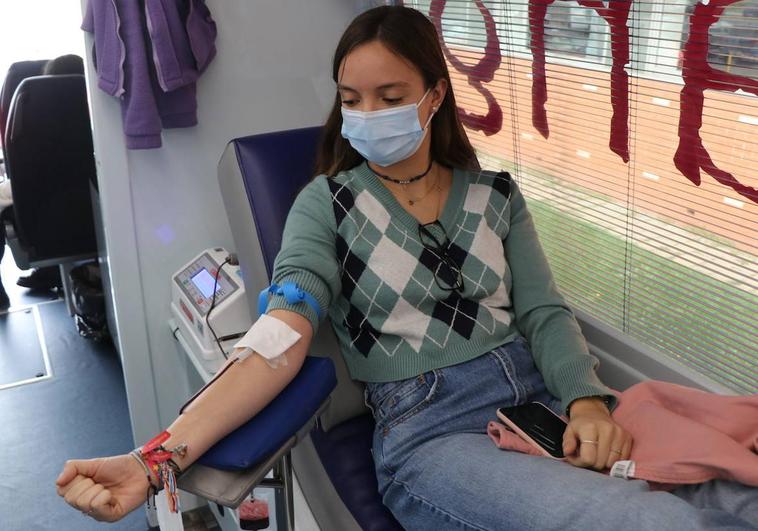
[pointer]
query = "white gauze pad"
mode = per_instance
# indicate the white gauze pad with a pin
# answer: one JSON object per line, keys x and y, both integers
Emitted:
{"x": 270, "y": 338}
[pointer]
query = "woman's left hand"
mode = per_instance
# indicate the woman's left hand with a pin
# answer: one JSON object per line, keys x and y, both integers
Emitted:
{"x": 592, "y": 439}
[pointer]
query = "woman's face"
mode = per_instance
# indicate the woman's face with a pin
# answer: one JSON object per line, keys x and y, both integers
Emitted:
{"x": 373, "y": 78}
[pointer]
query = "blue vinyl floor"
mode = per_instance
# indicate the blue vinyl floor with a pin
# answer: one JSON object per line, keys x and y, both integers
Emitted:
{"x": 79, "y": 413}
{"x": 21, "y": 352}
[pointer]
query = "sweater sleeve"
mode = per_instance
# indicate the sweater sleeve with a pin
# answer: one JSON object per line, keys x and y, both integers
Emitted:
{"x": 308, "y": 254}
{"x": 543, "y": 316}
{"x": 88, "y": 22}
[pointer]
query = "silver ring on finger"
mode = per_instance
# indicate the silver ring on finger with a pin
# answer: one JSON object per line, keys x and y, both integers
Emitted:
{"x": 587, "y": 441}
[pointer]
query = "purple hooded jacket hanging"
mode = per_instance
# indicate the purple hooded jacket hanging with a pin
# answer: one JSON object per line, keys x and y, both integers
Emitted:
{"x": 150, "y": 54}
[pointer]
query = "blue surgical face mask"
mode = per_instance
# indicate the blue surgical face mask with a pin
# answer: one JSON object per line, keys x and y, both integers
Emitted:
{"x": 387, "y": 136}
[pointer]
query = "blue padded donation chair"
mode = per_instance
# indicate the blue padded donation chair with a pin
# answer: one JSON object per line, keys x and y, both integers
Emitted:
{"x": 260, "y": 177}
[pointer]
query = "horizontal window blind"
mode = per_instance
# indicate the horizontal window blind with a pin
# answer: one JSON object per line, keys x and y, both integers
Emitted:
{"x": 632, "y": 128}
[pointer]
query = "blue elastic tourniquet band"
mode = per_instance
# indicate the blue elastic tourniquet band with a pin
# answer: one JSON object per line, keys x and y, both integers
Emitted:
{"x": 292, "y": 293}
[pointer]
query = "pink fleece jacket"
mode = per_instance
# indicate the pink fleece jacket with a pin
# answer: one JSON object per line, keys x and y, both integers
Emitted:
{"x": 681, "y": 435}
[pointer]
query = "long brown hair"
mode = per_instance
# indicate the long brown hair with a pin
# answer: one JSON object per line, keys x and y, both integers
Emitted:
{"x": 409, "y": 34}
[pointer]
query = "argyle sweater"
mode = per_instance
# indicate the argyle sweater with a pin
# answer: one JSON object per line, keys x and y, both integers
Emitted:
{"x": 350, "y": 244}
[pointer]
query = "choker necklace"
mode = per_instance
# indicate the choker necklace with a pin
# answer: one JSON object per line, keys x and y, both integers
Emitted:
{"x": 402, "y": 181}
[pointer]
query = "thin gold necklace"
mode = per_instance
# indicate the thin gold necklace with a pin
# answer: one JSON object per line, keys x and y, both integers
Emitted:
{"x": 436, "y": 185}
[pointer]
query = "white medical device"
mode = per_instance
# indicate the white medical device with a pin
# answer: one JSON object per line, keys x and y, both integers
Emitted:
{"x": 191, "y": 300}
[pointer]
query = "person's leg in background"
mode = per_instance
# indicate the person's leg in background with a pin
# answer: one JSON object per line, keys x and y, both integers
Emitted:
{"x": 5, "y": 201}
{"x": 42, "y": 278}
{"x": 4, "y": 300}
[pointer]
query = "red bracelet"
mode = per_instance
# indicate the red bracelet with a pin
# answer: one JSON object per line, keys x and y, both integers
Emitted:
{"x": 159, "y": 460}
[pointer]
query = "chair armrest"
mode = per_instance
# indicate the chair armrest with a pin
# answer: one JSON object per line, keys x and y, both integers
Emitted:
{"x": 228, "y": 487}
{"x": 278, "y": 421}
{"x": 239, "y": 461}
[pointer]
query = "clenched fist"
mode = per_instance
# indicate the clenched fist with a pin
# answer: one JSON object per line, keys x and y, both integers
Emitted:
{"x": 106, "y": 488}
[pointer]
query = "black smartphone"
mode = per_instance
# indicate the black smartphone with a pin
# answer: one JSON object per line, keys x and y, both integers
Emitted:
{"x": 537, "y": 425}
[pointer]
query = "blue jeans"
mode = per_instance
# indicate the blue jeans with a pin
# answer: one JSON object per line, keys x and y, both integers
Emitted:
{"x": 438, "y": 470}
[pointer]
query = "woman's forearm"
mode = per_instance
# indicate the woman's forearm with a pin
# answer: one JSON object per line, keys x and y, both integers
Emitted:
{"x": 237, "y": 395}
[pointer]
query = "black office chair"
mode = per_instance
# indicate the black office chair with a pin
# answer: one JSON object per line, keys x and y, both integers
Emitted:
{"x": 50, "y": 161}
{"x": 17, "y": 72}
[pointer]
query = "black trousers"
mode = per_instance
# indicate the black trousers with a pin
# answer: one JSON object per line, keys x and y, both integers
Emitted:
{"x": 6, "y": 213}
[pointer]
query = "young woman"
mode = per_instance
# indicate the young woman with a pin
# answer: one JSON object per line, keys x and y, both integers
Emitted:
{"x": 444, "y": 304}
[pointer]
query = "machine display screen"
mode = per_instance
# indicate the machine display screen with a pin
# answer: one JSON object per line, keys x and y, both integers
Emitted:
{"x": 203, "y": 280}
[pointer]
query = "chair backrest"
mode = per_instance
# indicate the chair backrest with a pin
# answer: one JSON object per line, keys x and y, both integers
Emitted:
{"x": 17, "y": 72}
{"x": 260, "y": 176}
{"x": 275, "y": 167}
{"x": 50, "y": 161}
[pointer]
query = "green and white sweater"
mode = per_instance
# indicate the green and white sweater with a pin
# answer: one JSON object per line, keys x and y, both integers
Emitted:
{"x": 351, "y": 245}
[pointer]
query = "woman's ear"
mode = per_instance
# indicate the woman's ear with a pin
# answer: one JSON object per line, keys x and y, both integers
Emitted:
{"x": 438, "y": 94}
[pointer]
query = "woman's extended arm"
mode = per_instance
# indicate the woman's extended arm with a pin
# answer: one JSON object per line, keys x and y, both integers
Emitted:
{"x": 237, "y": 395}
{"x": 109, "y": 488}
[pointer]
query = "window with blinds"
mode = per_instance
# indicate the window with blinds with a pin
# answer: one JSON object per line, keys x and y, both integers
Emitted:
{"x": 632, "y": 128}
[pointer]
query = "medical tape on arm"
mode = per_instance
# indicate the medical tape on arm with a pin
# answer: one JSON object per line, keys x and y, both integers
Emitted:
{"x": 270, "y": 338}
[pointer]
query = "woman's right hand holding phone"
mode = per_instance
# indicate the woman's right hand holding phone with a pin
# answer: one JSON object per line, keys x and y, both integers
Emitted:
{"x": 106, "y": 488}
{"x": 592, "y": 438}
